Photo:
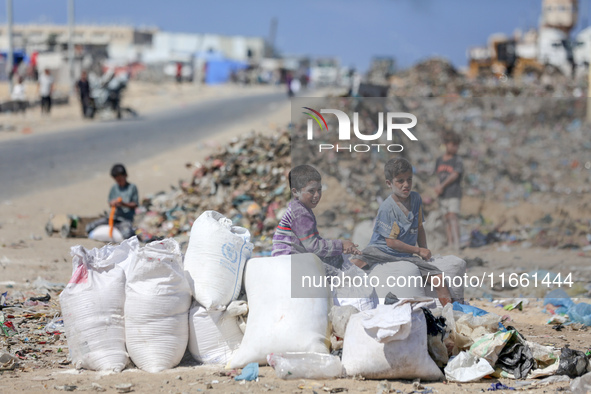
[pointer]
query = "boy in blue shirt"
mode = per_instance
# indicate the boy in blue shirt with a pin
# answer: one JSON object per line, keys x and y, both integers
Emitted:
{"x": 398, "y": 233}
{"x": 124, "y": 197}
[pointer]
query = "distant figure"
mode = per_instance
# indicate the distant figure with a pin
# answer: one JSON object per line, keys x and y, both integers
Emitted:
{"x": 288, "y": 79}
{"x": 19, "y": 97}
{"x": 45, "y": 88}
{"x": 449, "y": 169}
{"x": 83, "y": 88}
{"x": 295, "y": 86}
{"x": 179, "y": 72}
{"x": 124, "y": 197}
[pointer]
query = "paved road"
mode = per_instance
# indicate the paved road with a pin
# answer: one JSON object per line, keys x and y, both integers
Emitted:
{"x": 30, "y": 164}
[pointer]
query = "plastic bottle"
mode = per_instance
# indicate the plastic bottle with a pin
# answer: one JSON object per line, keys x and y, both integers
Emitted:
{"x": 305, "y": 365}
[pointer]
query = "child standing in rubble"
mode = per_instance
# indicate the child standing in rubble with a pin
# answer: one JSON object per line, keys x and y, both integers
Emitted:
{"x": 297, "y": 231}
{"x": 449, "y": 169}
{"x": 398, "y": 233}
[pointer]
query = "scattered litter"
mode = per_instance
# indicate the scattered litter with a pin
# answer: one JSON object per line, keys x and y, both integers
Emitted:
{"x": 499, "y": 386}
{"x": 573, "y": 363}
{"x": 466, "y": 367}
{"x": 305, "y": 365}
{"x": 249, "y": 373}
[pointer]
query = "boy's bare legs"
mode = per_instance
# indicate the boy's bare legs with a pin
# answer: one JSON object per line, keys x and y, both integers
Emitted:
{"x": 358, "y": 263}
{"x": 455, "y": 231}
{"x": 448, "y": 229}
{"x": 442, "y": 291}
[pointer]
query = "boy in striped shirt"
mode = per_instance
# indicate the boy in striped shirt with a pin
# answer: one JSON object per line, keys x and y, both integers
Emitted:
{"x": 297, "y": 231}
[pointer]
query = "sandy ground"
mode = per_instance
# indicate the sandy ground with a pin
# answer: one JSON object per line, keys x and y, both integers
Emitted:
{"x": 27, "y": 253}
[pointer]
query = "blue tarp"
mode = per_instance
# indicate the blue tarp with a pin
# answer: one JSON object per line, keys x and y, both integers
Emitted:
{"x": 219, "y": 70}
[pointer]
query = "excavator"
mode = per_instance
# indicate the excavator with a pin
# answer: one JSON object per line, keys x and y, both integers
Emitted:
{"x": 500, "y": 59}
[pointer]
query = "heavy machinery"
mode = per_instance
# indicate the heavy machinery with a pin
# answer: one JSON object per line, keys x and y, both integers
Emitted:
{"x": 550, "y": 46}
{"x": 501, "y": 59}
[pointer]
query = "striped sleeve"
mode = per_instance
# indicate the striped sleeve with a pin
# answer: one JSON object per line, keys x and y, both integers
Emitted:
{"x": 304, "y": 228}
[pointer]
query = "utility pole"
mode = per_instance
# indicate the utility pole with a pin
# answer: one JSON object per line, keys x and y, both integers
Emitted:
{"x": 71, "y": 43}
{"x": 272, "y": 36}
{"x": 10, "y": 60}
{"x": 589, "y": 94}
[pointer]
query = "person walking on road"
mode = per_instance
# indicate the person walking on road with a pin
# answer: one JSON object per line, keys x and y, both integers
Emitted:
{"x": 83, "y": 88}
{"x": 45, "y": 90}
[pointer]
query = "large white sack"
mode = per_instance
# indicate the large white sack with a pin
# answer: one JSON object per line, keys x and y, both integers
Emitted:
{"x": 350, "y": 292}
{"x": 453, "y": 267}
{"x": 101, "y": 234}
{"x": 399, "y": 359}
{"x": 213, "y": 335}
{"x": 92, "y": 306}
{"x": 215, "y": 259}
{"x": 401, "y": 278}
{"x": 278, "y": 323}
{"x": 157, "y": 304}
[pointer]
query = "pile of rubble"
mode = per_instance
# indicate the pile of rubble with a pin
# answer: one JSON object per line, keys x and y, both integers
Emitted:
{"x": 247, "y": 182}
{"x": 516, "y": 149}
{"x": 438, "y": 78}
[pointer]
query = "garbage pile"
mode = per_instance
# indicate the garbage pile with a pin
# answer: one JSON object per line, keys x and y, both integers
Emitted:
{"x": 31, "y": 328}
{"x": 437, "y": 77}
{"x": 524, "y": 147}
{"x": 515, "y": 151}
{"x": 247, "y": 181}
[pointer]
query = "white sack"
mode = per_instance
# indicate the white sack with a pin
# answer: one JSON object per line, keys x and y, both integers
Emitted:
{"x": 405, "y": 280}
{"x": 278, "y": 323}
{"x": 215, "y": 259}
{"x": 452, "y": 267}
{"x": 92, "y": 306}
{"x": 350, "y": 293}
{"x": 157, "y": 304}
{"x": 213, "y": 335}
{"x": 399, "y": 359}
{"x": 101, "y": 234}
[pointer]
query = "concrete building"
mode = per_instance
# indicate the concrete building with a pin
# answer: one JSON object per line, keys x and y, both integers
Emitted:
{"x": 43, "y": 38}
{"x": 168, "y": 46}
{"x": 559, "y": 14}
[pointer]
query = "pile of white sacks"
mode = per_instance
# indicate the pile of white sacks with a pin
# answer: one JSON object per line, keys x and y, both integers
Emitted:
{"x": 144, "y": 304}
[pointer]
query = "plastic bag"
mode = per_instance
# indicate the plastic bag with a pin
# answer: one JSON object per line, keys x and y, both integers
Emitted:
{"x": 388, "y": 322}
{"x": 466, "y": 367}
{"x": 580, "y": 313}
{"x": 215, "y": 259}
{"x": 464, "y": 328}
{"x": 573, "y": 363}
{"x": 157, "y": 304}
{"x": 305, "y": 365}
{"x": 490, "y": 346}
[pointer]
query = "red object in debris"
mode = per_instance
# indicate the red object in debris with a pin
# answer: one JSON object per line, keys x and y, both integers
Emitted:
{"x": 217, "y": 163}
